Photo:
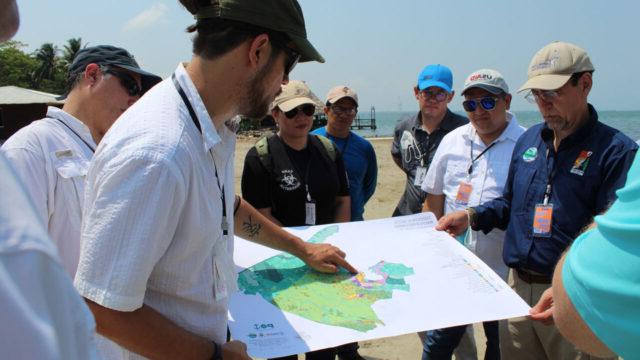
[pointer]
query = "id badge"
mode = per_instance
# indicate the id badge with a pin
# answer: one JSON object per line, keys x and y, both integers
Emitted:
{"x": 542, "y": 220}
{"x": 220, "y": 288}
{"x": 464, "y": 193}
{"x": 421, "y": 173}
{"x": 310, "y": 213}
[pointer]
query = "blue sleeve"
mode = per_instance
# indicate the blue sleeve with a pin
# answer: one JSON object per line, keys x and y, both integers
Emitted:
{"x": 600, "y": 273}
{"x": 615, "y": 175}
{"x": 371, "y": 176}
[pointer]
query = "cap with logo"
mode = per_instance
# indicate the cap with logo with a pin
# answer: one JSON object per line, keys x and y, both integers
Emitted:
{"x": 553, "y": 65}
{"x": 435, "y": 75}
{"x": 340, "y": 92}
{"x": 294, "y": 94}
{"x": 107, "y": 55}
{"x": 486, "y": 79}
{"x": 279, "y": 15}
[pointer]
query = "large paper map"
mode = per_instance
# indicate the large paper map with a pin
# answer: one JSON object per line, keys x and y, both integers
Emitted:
{"x": 412, "y": 278}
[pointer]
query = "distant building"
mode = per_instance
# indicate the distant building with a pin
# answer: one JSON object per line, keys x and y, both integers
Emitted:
{"x": 19, "y": 107}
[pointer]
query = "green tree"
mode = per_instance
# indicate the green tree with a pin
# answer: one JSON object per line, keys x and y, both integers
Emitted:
{"x": 70, "y": 50}
{"x": 16, "y": 66}
{"x": 47, "y": 57}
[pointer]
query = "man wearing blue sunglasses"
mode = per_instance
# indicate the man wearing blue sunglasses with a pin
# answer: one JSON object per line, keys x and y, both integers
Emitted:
{"x": 469, "y": 168}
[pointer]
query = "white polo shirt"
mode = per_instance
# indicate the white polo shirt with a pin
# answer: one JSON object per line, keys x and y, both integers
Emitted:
{"x": 450, "y": 167}
{"x": 42, "y": 315}
{"x": 152, "y": 222}
{"x": 51, "y": 157}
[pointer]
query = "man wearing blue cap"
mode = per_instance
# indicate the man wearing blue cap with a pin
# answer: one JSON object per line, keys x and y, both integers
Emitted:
{"x": 52, "y": 155}
{"x": 416, "y": 138}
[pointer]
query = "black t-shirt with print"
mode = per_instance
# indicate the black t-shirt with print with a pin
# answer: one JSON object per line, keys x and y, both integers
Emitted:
{"x": 283, "y": 186}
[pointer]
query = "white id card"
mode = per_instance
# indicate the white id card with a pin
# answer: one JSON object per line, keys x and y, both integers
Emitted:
{"x": 421, "y": 173}
{"x": 310, "y": 213}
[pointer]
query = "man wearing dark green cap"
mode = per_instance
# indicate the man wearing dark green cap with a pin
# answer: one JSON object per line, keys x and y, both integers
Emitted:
{"x": 156, "y": 265}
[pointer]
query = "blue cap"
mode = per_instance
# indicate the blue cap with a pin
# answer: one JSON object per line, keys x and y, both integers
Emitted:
{"x": 435, "y": 75}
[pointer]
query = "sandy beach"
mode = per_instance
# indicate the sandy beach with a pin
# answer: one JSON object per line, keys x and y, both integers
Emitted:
{"x": 390, "y": 185}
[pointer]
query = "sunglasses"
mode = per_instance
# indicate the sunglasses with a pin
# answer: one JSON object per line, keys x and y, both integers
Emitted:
{"x": 127, "y": 81}
{"x": 307, "y": 109}
{"x": 488, "y": 103}
{"x": 438, "y": 96}
{"x": 292, "y": 56}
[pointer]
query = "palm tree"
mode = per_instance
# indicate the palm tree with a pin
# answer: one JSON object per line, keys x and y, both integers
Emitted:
{"x": 47, "y": 57}
{"x": 70, "y": 50}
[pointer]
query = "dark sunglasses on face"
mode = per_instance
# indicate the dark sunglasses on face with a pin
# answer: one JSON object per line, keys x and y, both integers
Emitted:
{"x": 127, "y": 81}
{"x": 292, "y": 56}
{"x": 488, "y": 103}
{"x": 307, "y": 109}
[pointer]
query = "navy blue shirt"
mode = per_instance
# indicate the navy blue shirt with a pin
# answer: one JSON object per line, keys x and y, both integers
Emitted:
{"x": 589, "y": 166}
{"x": 362, "y": 168}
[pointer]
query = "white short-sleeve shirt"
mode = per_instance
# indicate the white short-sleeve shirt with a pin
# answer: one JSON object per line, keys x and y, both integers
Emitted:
{"x": 42, "y": 315}
{"x": 450, "y": 167}
{"x": 151, "y": 232}
{"x": 51, "y": 157}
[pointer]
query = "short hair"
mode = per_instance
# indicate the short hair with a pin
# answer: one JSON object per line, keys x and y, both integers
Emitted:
{"x": 215, "y": 37}
{"x": 576, "y": 76}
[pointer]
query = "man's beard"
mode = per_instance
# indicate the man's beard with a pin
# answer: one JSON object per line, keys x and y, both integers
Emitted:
{"x": 257, "y": 102}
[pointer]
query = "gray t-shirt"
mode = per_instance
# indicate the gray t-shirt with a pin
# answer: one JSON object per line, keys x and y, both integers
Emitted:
{"x": 415, "y": 147}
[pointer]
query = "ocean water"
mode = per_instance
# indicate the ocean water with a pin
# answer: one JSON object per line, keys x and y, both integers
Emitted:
{"x": 626, "y": 121}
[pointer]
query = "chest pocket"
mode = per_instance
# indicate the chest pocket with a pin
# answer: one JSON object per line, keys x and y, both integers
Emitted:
{"x": 71, "y": 170}
{"x": 68, "y": 165}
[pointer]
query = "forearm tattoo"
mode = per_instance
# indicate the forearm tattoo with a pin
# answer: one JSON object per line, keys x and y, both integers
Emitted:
{"x": 251, "y": 229}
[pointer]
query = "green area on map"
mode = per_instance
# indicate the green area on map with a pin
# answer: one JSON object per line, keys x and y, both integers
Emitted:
{"x": 341, "y": 299}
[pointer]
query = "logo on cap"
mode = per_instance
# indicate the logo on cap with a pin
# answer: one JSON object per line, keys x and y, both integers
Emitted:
{"x": 475, "y": 77}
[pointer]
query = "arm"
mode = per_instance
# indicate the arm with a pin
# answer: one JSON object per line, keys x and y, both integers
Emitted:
{"x": 343, "y": 209}
{"x": 434, "y": 204}
{"x": 371, "y": 176}
{"x": 148, "y": 333}
{"x": 250, "y": 224}
{"x": 614, "y": 178}
{"x": 569, "y": 322}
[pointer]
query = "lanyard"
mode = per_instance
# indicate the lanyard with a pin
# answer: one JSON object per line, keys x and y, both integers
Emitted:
{"x": 473, "y": 160}
{"x": 224, "y": 224}
{"x": 76, "y": 134}
{"x": 551, "y": 169}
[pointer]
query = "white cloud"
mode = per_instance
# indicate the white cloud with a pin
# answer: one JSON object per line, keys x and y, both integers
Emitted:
{"x": 147, "y": 18}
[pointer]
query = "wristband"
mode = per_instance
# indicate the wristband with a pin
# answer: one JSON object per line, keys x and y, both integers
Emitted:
{"x": 217, "y": 351}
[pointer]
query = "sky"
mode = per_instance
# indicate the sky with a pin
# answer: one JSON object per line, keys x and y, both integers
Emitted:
{"x": 378, "y": 47}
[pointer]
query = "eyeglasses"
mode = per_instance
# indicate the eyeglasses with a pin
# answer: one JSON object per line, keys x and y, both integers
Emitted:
{"x": 127, "y": 81}
{"x": 536, "y": 95}
{"x": 307, "y": 109}
{"x": 438, "y": 96}
{"x": 488, "y": 103}
{"x": 341, "y": 110}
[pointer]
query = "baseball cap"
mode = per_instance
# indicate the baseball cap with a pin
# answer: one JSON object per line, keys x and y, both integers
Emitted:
{"x": 340, "y": 92}
{"x": 278, "y": 15}
{"x": 486, "y": 79}
{"x": 553, "y": 65}
{"x": 435, "y": 75}
{"x": 294, "y": 94}
{"x": 110, "y": 56}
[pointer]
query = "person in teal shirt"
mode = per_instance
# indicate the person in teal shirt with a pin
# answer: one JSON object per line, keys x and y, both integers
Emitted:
{"x": 595, "y": 296}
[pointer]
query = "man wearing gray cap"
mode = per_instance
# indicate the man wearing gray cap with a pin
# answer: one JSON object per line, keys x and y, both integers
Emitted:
{"x": 156, "y": 265}
{"x": 469, "y": 168}
{"x": 52, "y": 155}
{"x": 563, "y": 172}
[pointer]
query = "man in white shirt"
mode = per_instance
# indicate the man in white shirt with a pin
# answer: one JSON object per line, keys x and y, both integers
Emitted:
{"x": 469, "y": 168}
{"x": 42, "y": 315}
{"x": 156, "y": 264}
{"x": 52, "y": 155}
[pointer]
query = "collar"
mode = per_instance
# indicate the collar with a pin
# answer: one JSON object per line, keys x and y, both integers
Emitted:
{"x": 511, "y": 132}
{"x": 446, "y": 124}
{"x": 210, "y": 136}
{"x": 577, "y": 136}
{"x": 76, "y": 125}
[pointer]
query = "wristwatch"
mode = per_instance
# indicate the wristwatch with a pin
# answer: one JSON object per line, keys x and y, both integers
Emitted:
{"x": 217, "y": 354}
{"x": 472, "y": 216}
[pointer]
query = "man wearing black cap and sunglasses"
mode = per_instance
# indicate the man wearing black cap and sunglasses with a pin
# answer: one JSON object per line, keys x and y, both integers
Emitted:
{"x": 156, "y": 266}
{"x": 52, "y": 155}
{"x": 469, "y": 168}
